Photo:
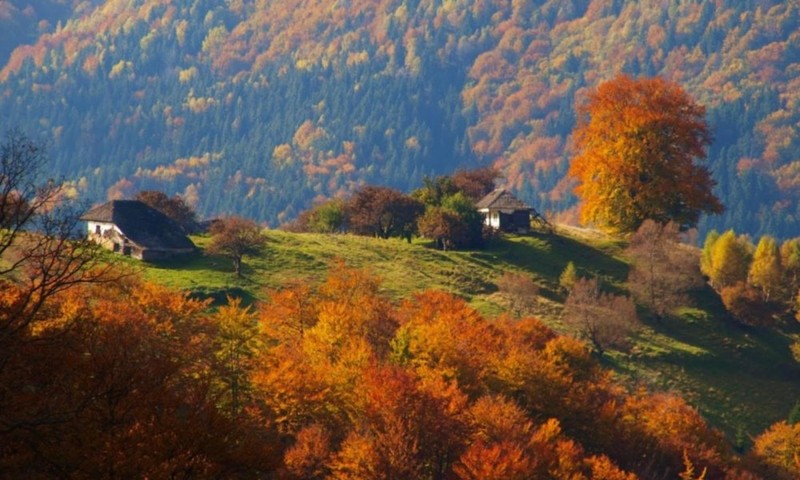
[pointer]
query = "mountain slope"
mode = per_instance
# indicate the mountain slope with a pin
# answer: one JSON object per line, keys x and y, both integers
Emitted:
{"x": 742, "y": 380}
{"x": 259, "y": 107}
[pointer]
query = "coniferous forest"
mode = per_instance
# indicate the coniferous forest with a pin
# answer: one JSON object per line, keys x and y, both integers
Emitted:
{"x": 261, "y": 108}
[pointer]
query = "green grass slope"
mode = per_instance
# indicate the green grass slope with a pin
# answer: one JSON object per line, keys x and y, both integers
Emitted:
{"x": 741, "y": 379}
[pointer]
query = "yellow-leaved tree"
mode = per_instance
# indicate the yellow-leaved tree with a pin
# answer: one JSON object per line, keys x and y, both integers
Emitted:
{"x": 637, "y": 142}
{"x": 766, "y": 271}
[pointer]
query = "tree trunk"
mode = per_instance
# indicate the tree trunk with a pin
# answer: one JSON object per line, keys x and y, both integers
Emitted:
{"x": 237, "y": 266}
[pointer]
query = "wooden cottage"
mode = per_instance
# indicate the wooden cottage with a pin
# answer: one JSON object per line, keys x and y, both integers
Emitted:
{"x": 133, "y": 228}
{"x": 504, "y": 211}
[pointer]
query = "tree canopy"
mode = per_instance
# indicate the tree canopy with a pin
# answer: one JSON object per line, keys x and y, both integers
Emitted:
{"x": 235, "y": 237}
{"x": 174, "y": 207}
{"x": 638, "y": 140}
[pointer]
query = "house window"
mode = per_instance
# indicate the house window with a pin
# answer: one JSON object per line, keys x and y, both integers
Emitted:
{"x": 97, "y": 229}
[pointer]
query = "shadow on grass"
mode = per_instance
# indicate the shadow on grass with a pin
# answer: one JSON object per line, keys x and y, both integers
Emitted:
{"x": 219, "y": 296}
{"x": 196, "y": 262}
{"x": 547, "y": 255}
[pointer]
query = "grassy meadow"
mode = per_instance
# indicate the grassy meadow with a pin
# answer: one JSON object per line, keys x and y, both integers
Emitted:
{"x": 741, "y": 379}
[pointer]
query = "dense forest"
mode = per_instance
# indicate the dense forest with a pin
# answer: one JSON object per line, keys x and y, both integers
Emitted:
{"x": 331, "y": 381}
{"x": 261, "y": 108}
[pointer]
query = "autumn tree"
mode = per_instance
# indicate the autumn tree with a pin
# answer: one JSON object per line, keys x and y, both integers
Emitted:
{"x": 236, "y": 341}
{"x": 506, "y": 445}
{"x": 790, "y": 261}
{"x": 603, "y": 319}
{"x": 476, "y": 183}
{"x": 174, "y": 208}
{"x": 124, "y": 392}
{"x": 442, "y": 226}
{"x": 637, "y": 141}
{"x": 235, "y": 237}
{"x": 40, "y": 255}
{"x": 383, "y": 212}
{"x": 453, "y": 224}
{"x": 23, "y": 191}
{"x": 729, "y": 260}
{"x": 433, "y": 190}
{"x": 663, "y": 269}
{"x": 328, "y": 217}
{"x": 415, "y": 427}
{"x": 706, "y": 253}
{"x": 309, "y": 457}
{"x": 766, "y": 271}
{"x": 778, "y": 449}
{"x": 521, "y": 291}
{"x": 568, "y": 276}
{"x": 746, "y": 304}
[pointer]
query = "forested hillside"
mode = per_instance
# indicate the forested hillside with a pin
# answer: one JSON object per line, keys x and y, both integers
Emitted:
{"x": 258, "y": 107}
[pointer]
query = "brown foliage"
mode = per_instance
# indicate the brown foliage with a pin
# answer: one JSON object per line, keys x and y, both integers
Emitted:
{"x": 123, "y": 390}
{"x": 383, "y": 212}
{"x": 443, "y": 226}
{"x": 235, "y": 237}
{"x": 746, "y": 304}
{"x": 604, "y": 319}
{"x": 173, "y": 207}
{"x": 663, "y": 270}
{"x": 477, "y": 183}
{"x": 521, "y": 290}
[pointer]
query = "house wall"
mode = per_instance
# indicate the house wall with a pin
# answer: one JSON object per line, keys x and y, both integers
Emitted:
{"x": 99, "y": 228}
{"x": 111, "y": 237}
{"x": 491, "y": 218}
{"x": 104, "y": 233}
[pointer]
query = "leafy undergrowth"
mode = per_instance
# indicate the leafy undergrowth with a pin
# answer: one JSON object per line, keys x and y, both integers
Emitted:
{"x": 741, "y": 379}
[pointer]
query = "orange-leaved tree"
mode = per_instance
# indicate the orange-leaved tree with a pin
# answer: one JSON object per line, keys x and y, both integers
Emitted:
{"x": 637, "y": 142}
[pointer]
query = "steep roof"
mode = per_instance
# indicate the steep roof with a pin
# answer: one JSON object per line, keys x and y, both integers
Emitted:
{"x": 142, "y": 224}
{"x": 501, "y": 199}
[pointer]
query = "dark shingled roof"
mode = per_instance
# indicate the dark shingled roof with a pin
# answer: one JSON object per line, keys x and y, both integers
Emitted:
{"x": 502, "y": 200}
{"x": 142, "y": 224}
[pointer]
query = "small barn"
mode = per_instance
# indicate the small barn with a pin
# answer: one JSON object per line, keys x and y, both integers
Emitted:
{"x": 135, "y": 229}
{"x": 502, "y": 210}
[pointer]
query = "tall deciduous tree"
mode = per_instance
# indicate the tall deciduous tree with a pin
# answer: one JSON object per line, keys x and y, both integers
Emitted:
{"x": 638, "y": 140}
{"x": 235, "y": 237}
{"x": 39, "y": 255}
{"x": 790, "y": 261}
{"x": 730, "y": 260}
{"x": 383, "y": 212}
{"x": 236, "y": 342}
{"x": 777, "y": 448}
{"x": 766, "y": 271}
{"x": 23, "y": 193}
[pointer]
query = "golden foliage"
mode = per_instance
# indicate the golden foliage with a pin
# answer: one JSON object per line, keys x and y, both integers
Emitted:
{"x": 638, "y": 141}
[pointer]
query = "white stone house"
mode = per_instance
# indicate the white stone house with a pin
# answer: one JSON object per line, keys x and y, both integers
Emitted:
{"x": 135, "y": 229}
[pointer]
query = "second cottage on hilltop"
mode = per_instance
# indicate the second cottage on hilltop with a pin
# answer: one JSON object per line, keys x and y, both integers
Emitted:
{"x": 504, "y": 211}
